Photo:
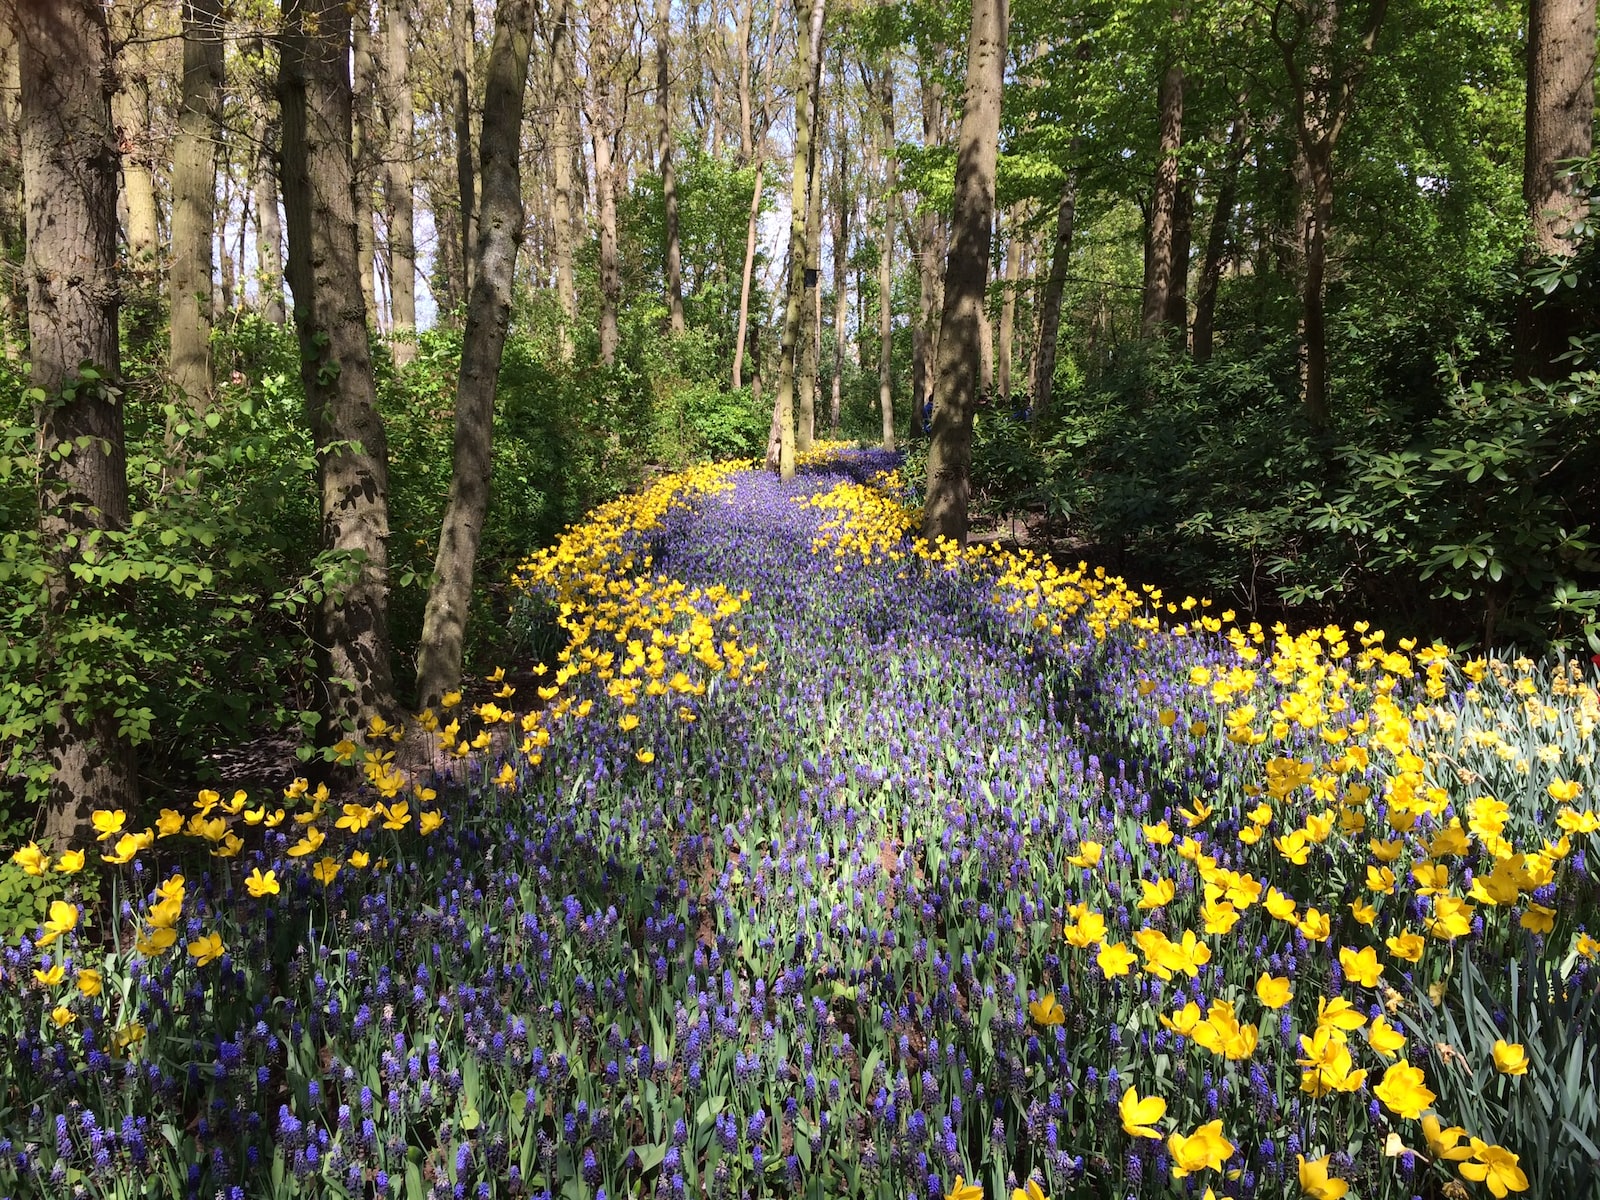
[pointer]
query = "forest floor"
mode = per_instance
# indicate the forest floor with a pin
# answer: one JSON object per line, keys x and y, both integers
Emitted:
{"x": 824, "y": 863}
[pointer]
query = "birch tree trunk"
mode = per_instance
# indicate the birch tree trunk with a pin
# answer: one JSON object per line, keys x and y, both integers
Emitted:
{"x": 949, "y": 489}
{"x": 799, "y": 202}
{"x": 69, "y": 167}
{"x": 500, "y": 226}
{"x": 669, "y": 179}
{"x": 194, "y": 183}
{"x": 335, "y": 362}
{"x": 399, "y": 200}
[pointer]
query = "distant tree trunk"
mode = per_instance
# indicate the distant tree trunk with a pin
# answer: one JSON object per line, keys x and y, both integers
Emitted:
{"x": 930, "y": 254}
{"x": 194, "y": 183}
{"x": 1560, "y": 126}
{"x": 400, "y": 125}
{"x": 839, "y": 206}
{"x": 1044, "y": 361}
{"x": 747, "y": 140}
{"x": 1162, "y": 265}
{"x": 69, "y": 167}
{"x": 810, "y": 358}
{"x": 886, "y": 256}
{"x": 745, "y": 276}
{"x": 269, "y": 226}
{"x": 461, "y": 26}
{"x": 1324, "y": 80}
{"x": 561, "y": 82}
{"x": 335, "y": 362}
{"x": 945, "y": 513}
{"x": 1177, "y": 316}
{"x": 500, "y": 222}
{"x": 130, "y": 108}
{"x": 669, "y": 179}
{"x": 1008, "y": 304}
{"x": 1203, "y": 337}
{"x": 809, "y": 13}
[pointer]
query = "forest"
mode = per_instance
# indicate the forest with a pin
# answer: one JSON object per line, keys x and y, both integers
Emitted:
{"x": 834, "y": 599}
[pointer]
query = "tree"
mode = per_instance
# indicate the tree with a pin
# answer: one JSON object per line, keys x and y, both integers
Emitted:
{"x": 1217, "y": 240}
{"x": 1008, "y": 304}
{"x": 602, "y": 132}
{"x": 1162, "y": 264}
{"x": 799, "y": 201}
{"x": 561, "y": 73}
{"x": 811, "y": 301}
{"x": 69, "y": 167}
{"x": 314, "y": 90}
{"x": 1323, "y": 83}
{"x": 461, "y": 29}
{"x": 1559, "y": 128}
{"x": 130, "y": 109}
{"x": 264, "y": 187}
{"x": 1044, "y": 360}
{"x": 194, "y": 185}
{"x": 669, "y": 179}
{"x": 13, "y": 291}
{"x": 394, "y": 96}
{"x": 945, "y": 513}
{"x": 885, "y": 99}
{"x": 500, "y": 232}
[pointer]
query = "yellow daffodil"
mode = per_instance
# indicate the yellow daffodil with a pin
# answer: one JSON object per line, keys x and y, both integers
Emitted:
{"x": 1510, "y": 1058}
{"x": 89, "y": 982}
{"x": 70, "y": 863}
{"x": 1361, "y": 966}
{"x": 1088, "y": 855}
{"x": 206, "y": 949}
{"x": 259, "y": 885}
{"x": 1156, "y": 894}
{"x": 31, "y": 859}
{"x": 1273, "y": 991}
{"x": 1404, "y": 1091}
{"x": 1204, "y": 1149}
{"x": 427, "y": 822}
{"x": 62, "y": 1016}
{"x": 1032, "y": 1192}
{"x": 1445, "y": 1143}
{"x": 1115, "y": 959}
{"x": 1046, "y": 1010}
{"x": 63, "y": 920}
{"x": 49, "y": 976}
{"x": 1317, "y": 1182}
{"x": 1385, "y": 1038}
{"x": 326, "y": 870}
{"x": 963, "y": 1190}
{"x": 1496, "y": 1168}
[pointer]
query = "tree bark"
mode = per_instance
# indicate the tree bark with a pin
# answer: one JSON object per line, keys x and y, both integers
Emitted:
{"x": 500, "y": 226}
{"x": 1203, "y": 336}
{"x": 561, "y": 82}
{"x": 1008, "y": 305}
{"x": 945, "y": 514}
{"x": 1559, "y": 115}
{"x": 1044, "y": 361}
{"x": 130, "y": 109}
{"x": 805, "y": 95}
{"x": 1177, "y": 315}
{"x": 1162, "y": 269}
{"x": 194, "y": 182}
{"x": 365, "y": 148}
{"x": 399, "y": 200}
{"x": 335, "y": 362}
{"x": 747, "y": 140}
{"x": 69, "y": 166}
{"x": 745, "y": 276}
{"x": 1559, "y": 127}
{"x": 669, "y": 179}
{"x": 13, "y": 246}
{"x": 839, "y": 203}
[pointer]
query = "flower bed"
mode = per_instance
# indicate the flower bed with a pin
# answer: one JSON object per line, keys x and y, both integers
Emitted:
{"x": 826, "y": 863}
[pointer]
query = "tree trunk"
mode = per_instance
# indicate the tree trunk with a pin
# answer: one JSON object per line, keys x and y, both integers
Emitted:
{"x": 805, "y": 96}
{"x": 930, "y": 254}
{"x": 810, "y": 358}
{"x": 1203, "y": 337}
{"x": 365, "y": 148}
{"x": 1044, "y": 361}
{"x": 669, "y": 179}
{"x": 839, "y": 203}
{"x": 69, "y": 167}
{"x": 1162, "y": 271}
{"x": 1008, "y": 305}
{"x": 1559, "y": 126}
{"x": 1559, "y": 115}
{"x": 747, "y": 140}
{"x": 461, "y": 25}
{"x": 13, "y": 246}
{"x": 561, "y": 82}
{"x": 500, "y": 224}
{"x": 335, "y": 362}
{"x": 194, "y": 183}
{"x": 945, "y": 514}
{"x": 1314, "y": 183}
{"x": 1177, "y": 315}
{"x": 886, "y": 256}
{"x": 269, "y": 226}
{"x": 130, "y": 108}
{"x": 744, "y": 278}
{"x": 400, "y": 123}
